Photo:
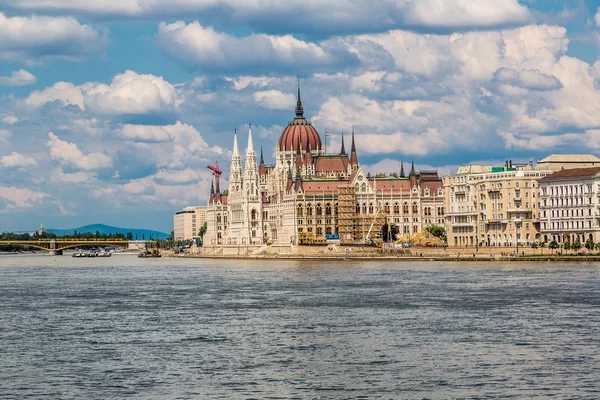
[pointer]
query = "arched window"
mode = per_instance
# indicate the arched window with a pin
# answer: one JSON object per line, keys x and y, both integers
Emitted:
{"x": 253, "y": 215}
{"x": 319, "y": 210}
{"x": 218, "y": 218}
{"x": 327, "y": 209}
{"x": 309, "y": 210}
{"x": 364, "y": 208}
{"x": 299, "y": 210}
{"x": 386, "y": 207}
{"x": 335, "y": 209}
{"x": 396, "y": 208}
{"x": 319, "y": 231}
{"x": 357, "y": 208}
{"x": 370, "y": 208}
{"x": 328, "y": 230}
{"x": 405, "y": 208}
{"x": 415, "y": 209}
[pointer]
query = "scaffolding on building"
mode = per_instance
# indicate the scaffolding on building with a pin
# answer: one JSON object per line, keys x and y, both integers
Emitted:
{"x": 347, "y": 213}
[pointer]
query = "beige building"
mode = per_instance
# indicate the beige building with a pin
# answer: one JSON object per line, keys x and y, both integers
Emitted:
{"x": 493, "y": 206}
{"x": 187, "y": 222}
{"x": 557, "y": 162}
{"x": 570, "y": 205}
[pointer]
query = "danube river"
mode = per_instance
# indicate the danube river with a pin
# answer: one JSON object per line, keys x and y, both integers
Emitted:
{"x": 124, "y": 327}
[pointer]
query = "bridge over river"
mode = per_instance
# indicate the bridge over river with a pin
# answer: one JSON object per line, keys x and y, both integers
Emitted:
{"x": 56, "y": 246}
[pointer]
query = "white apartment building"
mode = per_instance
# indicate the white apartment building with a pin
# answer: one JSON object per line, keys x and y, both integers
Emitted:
{"x": 570, "y": 205}
{"x": 187, "y": 222}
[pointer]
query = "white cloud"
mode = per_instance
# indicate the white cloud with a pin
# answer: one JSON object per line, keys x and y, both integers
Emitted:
{"x": 68, "y": 154}
{"x": 597, "y": 18}
{"x": 323, "y": 16}
{"x": 20, "y": 197}
{"x": 10, "y": 119}
{"x": 4, "y": 135}
{"x": 242, "y": 82}
{"x": 275, "y": 100}
{"x": 18, "y": 78}
{"x": 528, "y": 79}
{"x": 145, "y": 133}
{"x": 195, "y": 46}
{"x": 457, "y": 14}
{"x": 17, "y": 160}
{"x": 128, "y": 93}
{"x": 64, "y": 92}
{"x": 133, "y": 93}
{"x": 36, "y": 39}
{"x": 59, "y": 176}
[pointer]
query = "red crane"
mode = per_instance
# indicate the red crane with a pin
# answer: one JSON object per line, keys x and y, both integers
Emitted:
{"x": 216, "y": 172}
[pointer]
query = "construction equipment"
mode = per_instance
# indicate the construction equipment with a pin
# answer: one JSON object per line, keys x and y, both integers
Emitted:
{"x": 216, "y": 172}
{"x": 347, "y": 213}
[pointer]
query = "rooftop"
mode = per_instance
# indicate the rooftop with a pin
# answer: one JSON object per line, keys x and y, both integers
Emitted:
{"x": 570, "y": 158}
{"x": 573, "y": 173}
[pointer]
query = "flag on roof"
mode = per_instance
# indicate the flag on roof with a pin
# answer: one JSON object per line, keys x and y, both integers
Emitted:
{"x": 327, "y": 133}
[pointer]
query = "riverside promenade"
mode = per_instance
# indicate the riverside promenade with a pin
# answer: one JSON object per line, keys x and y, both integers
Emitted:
{"x": 414, "y": 254}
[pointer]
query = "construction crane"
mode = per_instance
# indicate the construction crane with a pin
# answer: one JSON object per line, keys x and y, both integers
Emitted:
{"x": 216, "y": 172}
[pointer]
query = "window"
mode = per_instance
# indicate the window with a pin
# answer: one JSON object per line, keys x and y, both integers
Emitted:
{"x": 299, "y": 210}
{"x": 319, "y": 210}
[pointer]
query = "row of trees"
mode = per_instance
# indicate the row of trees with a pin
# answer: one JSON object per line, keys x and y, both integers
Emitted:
{"x": 576, "y": 245}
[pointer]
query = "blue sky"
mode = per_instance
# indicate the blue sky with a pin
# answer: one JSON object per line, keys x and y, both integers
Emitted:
{"x": 110, "y": 109}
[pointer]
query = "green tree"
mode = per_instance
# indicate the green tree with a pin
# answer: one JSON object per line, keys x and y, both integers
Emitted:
{"x": 589, "y": 245}
{"x": 597, "y": 246}
{"x": 576, "y": 246}
{"x": 553, "y": 245}
{"x": 542, "y": 245}
{"x": 202, "y": 230}
{"x": 534, "y": 246}
{"x": 567, "y": 246}
{"x": 97, "y": 234}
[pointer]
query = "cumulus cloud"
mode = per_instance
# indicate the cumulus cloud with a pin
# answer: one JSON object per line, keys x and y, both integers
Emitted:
{"x": 20, "y": 197}
{"x": 528, "y": 79}
{"x": 133, "y": 93}
{"x": 197, "y": 47}
{"x": 18, "y": 78}
{"x": 128, "y": 93}
{"x": 315, "y": 17}
{"x": 145, "y": 133}
{"x": 17, "y": 160}
{"x": 274, "y": 99}
{"x": 10, "y": 119}
{"x": 63, "y": 92}
{"x": 35, "y": 39}
{"x": 68, "y": 154}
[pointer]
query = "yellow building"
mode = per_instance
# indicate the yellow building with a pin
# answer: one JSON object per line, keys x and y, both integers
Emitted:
{"x": 493, "y": 206}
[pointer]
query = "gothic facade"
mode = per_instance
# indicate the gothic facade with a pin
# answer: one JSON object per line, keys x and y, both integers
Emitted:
{"x": 310, "y": 194}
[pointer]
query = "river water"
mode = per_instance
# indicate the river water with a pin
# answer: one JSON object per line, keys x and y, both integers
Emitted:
{"x": 124, "y": 327}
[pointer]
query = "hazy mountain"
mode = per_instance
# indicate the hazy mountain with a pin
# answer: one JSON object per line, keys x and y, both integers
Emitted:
{"x": 139, "y": 233}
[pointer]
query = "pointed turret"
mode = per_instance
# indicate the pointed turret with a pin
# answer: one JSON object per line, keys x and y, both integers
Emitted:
{"x": 307, "y": 156}
{"x": 412, "y": 168}
{"x": 290, "y": 182}
{"x": 298, "y": 182}
{"x": 212, "y": 187}
{"x": 250, "y": 153}
{"x": 353, "y": 157}
{"x": 402, "y": 170}
{"x": 299, "y": 108}
{"x": 298, "y": 154}
{"x": 235, "y": 173}
{"x": 262, "y": 171}
{"x": 343, "y": 152}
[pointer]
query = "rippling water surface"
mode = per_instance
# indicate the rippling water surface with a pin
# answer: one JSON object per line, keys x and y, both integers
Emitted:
{"x": 124, "y": 327}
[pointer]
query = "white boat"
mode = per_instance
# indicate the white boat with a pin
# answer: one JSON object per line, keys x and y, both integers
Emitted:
{"x": 103, "y": 254}
{"x": 79, "y": 254}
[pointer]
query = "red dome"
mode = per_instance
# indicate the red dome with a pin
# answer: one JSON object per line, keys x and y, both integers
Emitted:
{"x": 299, "y": 131}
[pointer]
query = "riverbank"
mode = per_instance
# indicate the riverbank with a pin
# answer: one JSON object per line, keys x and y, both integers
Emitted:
{"x": 415, "y": 255}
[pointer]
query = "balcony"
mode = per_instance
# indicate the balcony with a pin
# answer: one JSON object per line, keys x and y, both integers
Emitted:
{"x": 517, "y": 197}
{"x": 520, "y": 210}
{"x": 461, "y": 213}
{"x": 463, "y": 224}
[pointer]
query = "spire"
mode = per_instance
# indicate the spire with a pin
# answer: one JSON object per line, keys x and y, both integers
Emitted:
{"x": 212, "y": 187}
{"x": 236, "y": 152}
{"x": 402, "y": 169}
{"x": 412, "y": 168}
{"x": 262, "y": 159}
{"x": 299, "y": 109}
{"x": 343, "y": 152}
{"x": 353, "y": 158}
{"x": 250, "y": 142}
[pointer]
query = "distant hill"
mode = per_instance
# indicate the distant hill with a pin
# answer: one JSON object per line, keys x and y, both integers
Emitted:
{"x": 140, "y": 233}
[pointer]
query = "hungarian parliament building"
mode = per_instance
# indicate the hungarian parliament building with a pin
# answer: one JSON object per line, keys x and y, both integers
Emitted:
{"x": 309, "y": 196}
